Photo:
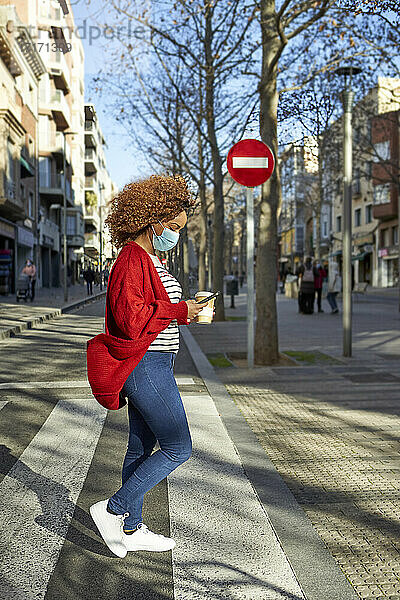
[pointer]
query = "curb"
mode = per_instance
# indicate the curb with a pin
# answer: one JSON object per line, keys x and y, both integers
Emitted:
{"x": 315, "y": 569}
{"x": 55, "y": 312}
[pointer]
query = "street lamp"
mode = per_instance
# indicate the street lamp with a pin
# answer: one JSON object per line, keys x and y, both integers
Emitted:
{"x": 347, "y": 101}
{"x": 65, "y": 133}
{"x": 101, "y": 188}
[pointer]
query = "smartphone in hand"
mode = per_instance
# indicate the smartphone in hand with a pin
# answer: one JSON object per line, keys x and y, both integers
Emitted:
{"x": 205, "y": 300}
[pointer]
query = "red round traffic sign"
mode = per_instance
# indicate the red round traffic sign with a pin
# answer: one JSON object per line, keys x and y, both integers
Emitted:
{"x": 250, "y": 162}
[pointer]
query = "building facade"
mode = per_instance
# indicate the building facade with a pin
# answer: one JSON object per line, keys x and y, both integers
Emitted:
{"x": 99, "y": 190}
{"x": 49, "y": 158}
{"x": 21, "y": 67}
{"x": 298, "y": 167}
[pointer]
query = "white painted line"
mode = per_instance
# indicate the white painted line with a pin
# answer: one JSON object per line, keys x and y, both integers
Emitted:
{"x": 3, "y": 403}
{"x": 39, "y": 494}
{"x": 27, "y": 385}
{"x": 184, "y": 380}
{"x": 224, "y": 539}
{"x": 250, "y": 162}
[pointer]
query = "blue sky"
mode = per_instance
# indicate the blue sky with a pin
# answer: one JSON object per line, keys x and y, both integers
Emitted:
{"x": 121, "y": 162}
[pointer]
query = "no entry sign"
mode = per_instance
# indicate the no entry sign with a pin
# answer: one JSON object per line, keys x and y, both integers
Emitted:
{"x": 250, "y": 162}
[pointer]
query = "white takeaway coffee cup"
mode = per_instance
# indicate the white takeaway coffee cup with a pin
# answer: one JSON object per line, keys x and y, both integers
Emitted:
{"x": 206, "y": 314}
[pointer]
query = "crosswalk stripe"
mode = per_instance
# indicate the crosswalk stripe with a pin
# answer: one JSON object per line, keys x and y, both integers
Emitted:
{"x": 27, "y": 385}
{"x": 3, "y": 403}
{"x": 39, "y": 493}
{"x": 224, "y": 539}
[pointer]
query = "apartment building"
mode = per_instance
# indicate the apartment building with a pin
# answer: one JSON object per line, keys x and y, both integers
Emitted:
{"x": 298, "y": 168}
{"x": 99, "y": 190}
{"x": 56, "y": 106}
{"x": 61, "y": 142}
{"x": 375, "y": 193}
{"x": 21, "y": 67}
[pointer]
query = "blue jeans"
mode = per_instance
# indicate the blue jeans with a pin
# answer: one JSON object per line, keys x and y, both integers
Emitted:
{"x": 156, "y": 412}
{"x": 331, "y": 297}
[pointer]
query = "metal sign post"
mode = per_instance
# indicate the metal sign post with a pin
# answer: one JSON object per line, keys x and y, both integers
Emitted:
{"x": 250, "y": 163}
{"x": 250, "y": 276}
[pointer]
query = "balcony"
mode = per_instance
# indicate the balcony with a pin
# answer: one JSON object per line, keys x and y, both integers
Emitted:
{"x": 90, "y": 161}
{"x": 11, "y": 206}
{"x": 92, "y": 245}
{"x": 385, "y": 201}
{"x": 59, "y": 71}
{"x": 8, "y": 104}
{"x": 60, "y": 110}
{"x": 53, "y": 185}
{"x": 49, "y": 234}
{"x": 90, "y": 183}
{"x": 90, "y": 134}
{"x": 92, "y": 220}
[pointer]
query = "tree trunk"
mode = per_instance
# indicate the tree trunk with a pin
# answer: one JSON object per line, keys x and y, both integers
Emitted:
{"x": 320, "y": 199}
{"x": 218, "y": 234}
{"x": 266, "y": 351}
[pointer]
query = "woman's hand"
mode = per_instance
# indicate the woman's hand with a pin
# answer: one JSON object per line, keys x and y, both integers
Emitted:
{"x": 193, "y": 309}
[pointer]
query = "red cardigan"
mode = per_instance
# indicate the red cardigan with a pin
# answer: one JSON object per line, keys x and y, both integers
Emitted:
{"x": 137, "y": 309}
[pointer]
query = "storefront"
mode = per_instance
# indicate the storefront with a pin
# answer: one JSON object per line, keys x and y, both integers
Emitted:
{"x": 388, "y": 266}
{"x": 7, "y": 257}
{"x": 25, "y": 247}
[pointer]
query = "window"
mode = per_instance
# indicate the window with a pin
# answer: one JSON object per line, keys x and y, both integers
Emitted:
{"x": 382, "y": 193}
{"x": 11, "y": 169}
{"x": 30, "y": 205}
{"x": 325, "y": 229}
{"x": 22, "y": 192}
{"x": 339, "y": 187}
{"x": 71, "y": 225}
{"x": 339, "y": 224}
{"x": 368, "y": 213}
{"x": 395, "y": 235}
{"x": 357, "y": 217}
{"x": 381, "y": 151}
{"x": 44, "y": 172}
{"x": 356, "y": 182}
{"x": 385, "y": 238}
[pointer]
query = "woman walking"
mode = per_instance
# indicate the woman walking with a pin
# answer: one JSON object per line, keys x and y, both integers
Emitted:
{"x": 134, "y": 358}
{"x": 307, "y": 289}
{"x": 334, "y": 286}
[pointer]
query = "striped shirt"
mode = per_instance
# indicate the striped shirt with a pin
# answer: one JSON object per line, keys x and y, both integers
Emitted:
{"x": 168, "y": 339}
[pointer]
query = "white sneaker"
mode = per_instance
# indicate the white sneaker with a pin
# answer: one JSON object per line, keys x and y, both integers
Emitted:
{"x": 144, "y": 539}
{"x": 110, "y": 527}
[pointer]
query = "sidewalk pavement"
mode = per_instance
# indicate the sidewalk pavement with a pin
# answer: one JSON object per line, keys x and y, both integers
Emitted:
{"x": 331, "y": 431}
{"x": 48, "y": 303}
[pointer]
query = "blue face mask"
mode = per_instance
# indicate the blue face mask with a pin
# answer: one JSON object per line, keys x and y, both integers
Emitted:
{"x": 166, "y": 240}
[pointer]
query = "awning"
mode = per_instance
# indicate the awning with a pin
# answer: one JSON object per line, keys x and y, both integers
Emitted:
{"x": 359, "y": 256}
{"x": 337, "y": 253}
{"x": 26, "y": 169}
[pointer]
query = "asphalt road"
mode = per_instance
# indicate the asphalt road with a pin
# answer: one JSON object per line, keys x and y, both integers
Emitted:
{"x": 49, "y": 543}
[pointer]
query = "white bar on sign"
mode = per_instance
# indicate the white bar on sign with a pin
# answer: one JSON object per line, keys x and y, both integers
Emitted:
{"x": 250, "y": 162}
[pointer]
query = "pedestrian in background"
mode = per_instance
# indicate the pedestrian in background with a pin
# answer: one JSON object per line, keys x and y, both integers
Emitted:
{"x": 298, "y": 273}
{"x": 30, "y": 270}
{"x": 318, "y": 283}
{"x": 307, "y": 276}
{"x": 334, "y": 286}
{"x": 134, "y": 359}
{"x": 88, "y": 276}
{"x": 232, "y": 287}
{"x": 106, "y": 276}
{"x": 241, "y": 279}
